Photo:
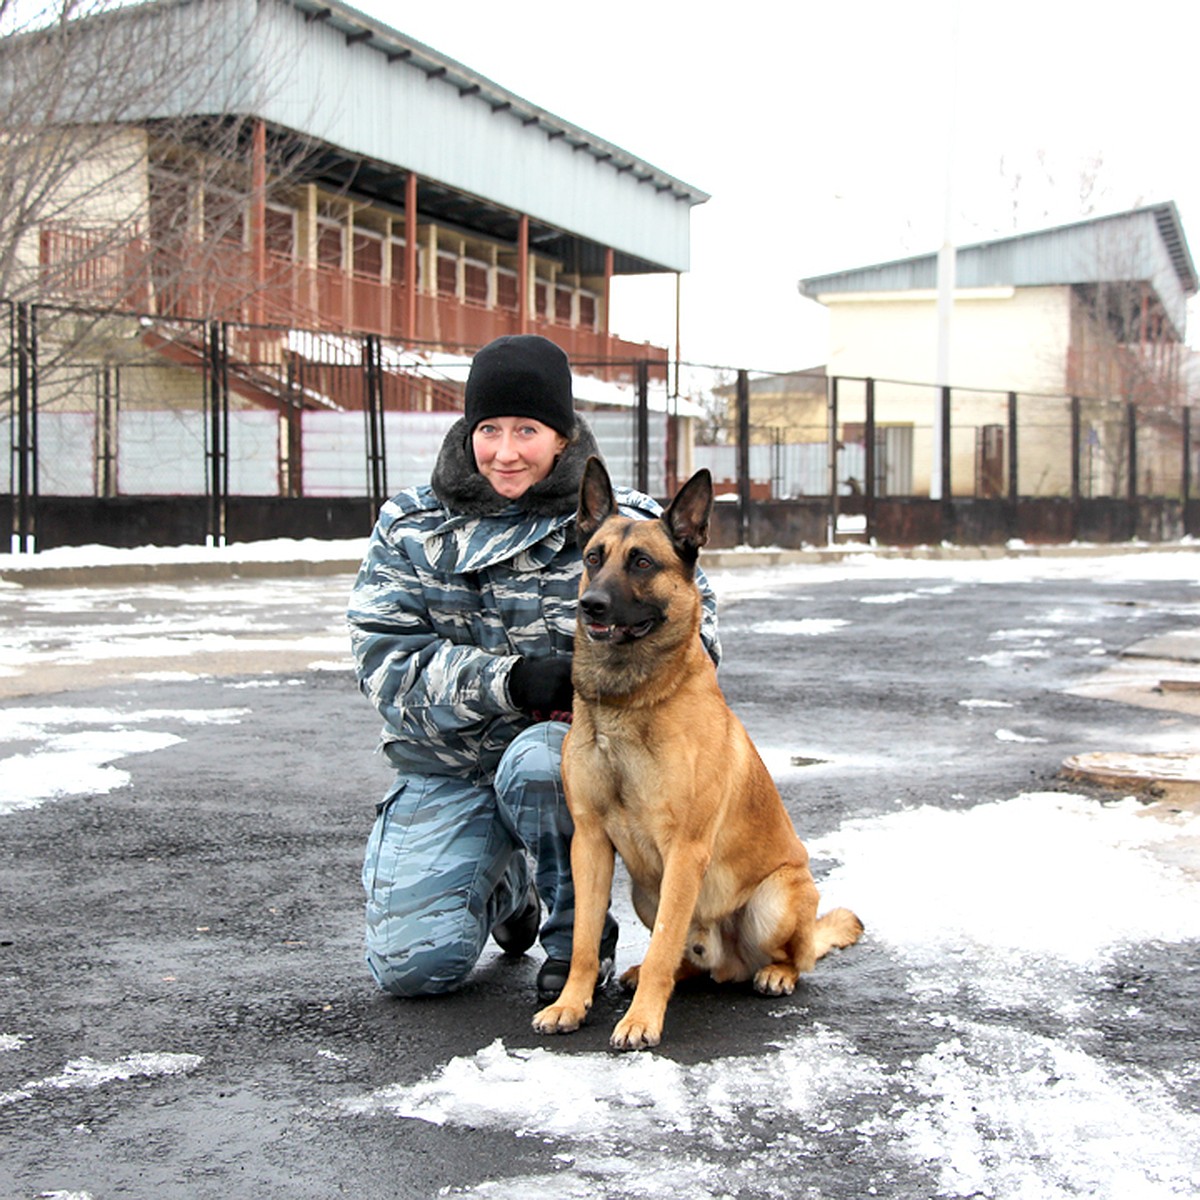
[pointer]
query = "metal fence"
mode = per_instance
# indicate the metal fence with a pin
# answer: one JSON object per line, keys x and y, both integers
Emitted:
{"x": 126, "y": 429}
{"x": 903, "y": 462}
{"x": 121, "y": 427}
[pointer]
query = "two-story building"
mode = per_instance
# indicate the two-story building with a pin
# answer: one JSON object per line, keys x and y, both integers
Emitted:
{"x": 307, "y": 178}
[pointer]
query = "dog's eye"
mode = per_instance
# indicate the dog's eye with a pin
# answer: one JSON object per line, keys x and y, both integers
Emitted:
{"x": 643, "y": 562}
{"x": 592, "y": 558}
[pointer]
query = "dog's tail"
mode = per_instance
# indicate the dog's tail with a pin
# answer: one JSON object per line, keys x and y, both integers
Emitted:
{"x": 836, "y": 930}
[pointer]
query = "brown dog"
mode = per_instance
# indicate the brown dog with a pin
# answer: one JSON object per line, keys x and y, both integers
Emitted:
{"x": 658, "y": 767}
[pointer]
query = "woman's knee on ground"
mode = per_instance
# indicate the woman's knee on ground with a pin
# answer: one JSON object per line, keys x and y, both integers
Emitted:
{"x": 411, "y": 955}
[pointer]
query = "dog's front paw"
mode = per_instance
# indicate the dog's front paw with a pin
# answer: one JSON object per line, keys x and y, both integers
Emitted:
{"x": 776, "y": 979}
{"x": 636, "y": 1033}
{"x": 560, "y": 1018}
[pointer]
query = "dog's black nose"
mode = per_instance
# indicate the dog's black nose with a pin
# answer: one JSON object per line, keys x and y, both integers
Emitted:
{"x": 595, "y": 607}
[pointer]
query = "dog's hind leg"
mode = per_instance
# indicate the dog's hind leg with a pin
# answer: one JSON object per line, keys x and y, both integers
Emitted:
{"x": 685, "y": 971}
{"x": 836, "y": 929}
{"x": 779, "y": 926}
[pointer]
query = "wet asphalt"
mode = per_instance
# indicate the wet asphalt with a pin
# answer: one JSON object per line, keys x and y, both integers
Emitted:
{"x": 211, "y": 908}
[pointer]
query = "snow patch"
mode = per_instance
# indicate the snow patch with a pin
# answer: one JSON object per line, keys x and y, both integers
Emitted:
{"x": 803, "y": 627}
{"x": 73, "y": 764}
{"x": 991, "y": 1110}
{"x": 890, "y": 598}
{"x": 621, "y": 1098}
{"x": 88, "y": 1073}
{"x": 79, "y": 763}
{"x": 31, "y": 723}
{"x": 940, "y": 888}
{"x": 1007, "y": 735}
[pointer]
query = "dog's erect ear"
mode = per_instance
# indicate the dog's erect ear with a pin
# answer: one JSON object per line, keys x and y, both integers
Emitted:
{"x": 596, "y": 500}
{"x": 688, "y": 516}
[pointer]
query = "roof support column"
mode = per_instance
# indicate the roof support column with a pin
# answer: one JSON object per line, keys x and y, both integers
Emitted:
{"x": 678, "y": 329}
{"x": 606, "y": 326}
{"x": 523, "y": 273}
{"x": 410, "y": 257}
{"x": 258, "y": 218}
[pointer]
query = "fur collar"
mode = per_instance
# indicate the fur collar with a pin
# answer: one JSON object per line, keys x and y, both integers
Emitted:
{"x": 460, "y": 487}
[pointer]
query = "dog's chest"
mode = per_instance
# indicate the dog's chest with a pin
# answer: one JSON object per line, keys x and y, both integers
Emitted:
{"x": 624, "y": 758}
{"x": 623, "y": 762}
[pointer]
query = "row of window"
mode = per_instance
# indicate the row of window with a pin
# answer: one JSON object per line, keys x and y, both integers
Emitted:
{"x": 472, "y": 280}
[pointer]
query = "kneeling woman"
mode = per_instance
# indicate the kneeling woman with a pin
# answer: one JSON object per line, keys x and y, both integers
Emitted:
{"x": 462, "y": 619}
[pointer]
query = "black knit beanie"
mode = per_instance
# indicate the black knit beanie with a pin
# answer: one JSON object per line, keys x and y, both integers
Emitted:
{"x": 521, "y": 376}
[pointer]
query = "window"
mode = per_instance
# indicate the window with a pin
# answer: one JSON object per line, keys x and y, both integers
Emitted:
{"x": 587, "y": 310}
{"x": 506, "y": 289}
{"x": 396, "y": 249}
{"x": 562, "y": 305}
{"x": 368, "y": 254}
{"x": 224, "y": 217}
{"x": 447, "y": 274}
{"x": 280, "y": 231}
{"x": 475, "y": 282}
{"x": 329, "y": 245}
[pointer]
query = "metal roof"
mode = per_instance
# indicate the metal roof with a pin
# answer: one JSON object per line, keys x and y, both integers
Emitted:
{"x": 1143, "y": 244}
{"x": 359, "y": 28}
{"x": 360, "y": 107}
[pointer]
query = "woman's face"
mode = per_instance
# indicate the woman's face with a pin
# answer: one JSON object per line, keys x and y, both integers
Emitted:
{"x": 514, "y": 453}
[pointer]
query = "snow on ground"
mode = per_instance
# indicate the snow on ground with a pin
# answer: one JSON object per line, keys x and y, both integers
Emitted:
{"x": 274, "y": 550}
{"x": 994, "y": 1110}
{"x": 74, "y": 748}
{"x": 732, "y": 583}
{"x": 88, "y": 1073}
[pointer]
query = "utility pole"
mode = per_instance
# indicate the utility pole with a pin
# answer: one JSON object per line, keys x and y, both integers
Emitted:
{"x": 946, "y": 264}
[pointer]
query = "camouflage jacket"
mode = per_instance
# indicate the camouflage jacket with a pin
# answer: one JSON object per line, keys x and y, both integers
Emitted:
{"x": 457, "y": 583}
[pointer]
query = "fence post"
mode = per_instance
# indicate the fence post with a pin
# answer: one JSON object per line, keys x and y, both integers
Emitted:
{"x": 869, "y": 466}
{"x": 1013, "y": 479}
{"x": 1131, "y": 484}
{"x": 1076, "y": 465}
{"x": 642, "y": 427}
{"x": 1013, "y": 469}
{"x": 373, "y": 414}
{"x": 106, "y": 475}
{"x": 26, "y": 433}
{"x": 295, "y": 426}
{"x": 831, "y": 443}
{"x": 1076, "y": 448}
{"x": 944, "y": 400}
{"x": 946, "y": 515}
{"x": 743, "y": 455}
{"x": 1185, "y": 475}
{"x": 218, "y": 430}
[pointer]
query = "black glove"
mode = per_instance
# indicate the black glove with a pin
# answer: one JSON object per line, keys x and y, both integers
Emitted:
{"x": 542, "y": 685}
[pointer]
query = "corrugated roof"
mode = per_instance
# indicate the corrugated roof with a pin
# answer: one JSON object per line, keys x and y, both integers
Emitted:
{"x": 1108, "y": 248}
{"x": 359, "y": 107}
{"x": 359, "y": 28}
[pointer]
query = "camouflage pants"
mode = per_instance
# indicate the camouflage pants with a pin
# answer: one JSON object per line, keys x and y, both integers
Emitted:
{"x": 447, "y": 860}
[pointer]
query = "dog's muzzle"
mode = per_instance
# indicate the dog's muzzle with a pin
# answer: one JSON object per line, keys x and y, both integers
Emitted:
{"x": 618, "y": 635}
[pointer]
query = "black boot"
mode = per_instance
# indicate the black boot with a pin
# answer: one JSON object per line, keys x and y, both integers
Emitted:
{"x": 552, "y": 978}
{"x": 520, "y": 931}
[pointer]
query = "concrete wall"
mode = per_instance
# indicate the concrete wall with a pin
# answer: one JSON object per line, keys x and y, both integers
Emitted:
{"x": 1008, "y": 339}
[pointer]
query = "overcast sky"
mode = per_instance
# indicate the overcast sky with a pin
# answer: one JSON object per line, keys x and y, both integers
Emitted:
{"x": 821, "y": 131}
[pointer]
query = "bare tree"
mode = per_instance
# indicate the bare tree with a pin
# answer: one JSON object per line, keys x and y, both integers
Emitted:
{"x": 126, "y": 146}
